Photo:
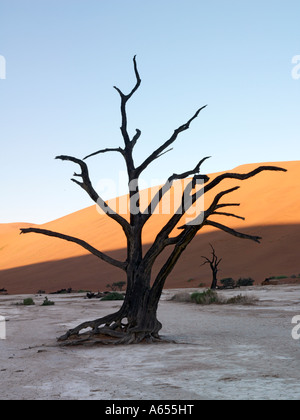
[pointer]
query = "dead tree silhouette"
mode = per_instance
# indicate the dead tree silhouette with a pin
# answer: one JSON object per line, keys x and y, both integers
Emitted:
{"x": 213, "y": 262}
{"x": 136, "y": 320}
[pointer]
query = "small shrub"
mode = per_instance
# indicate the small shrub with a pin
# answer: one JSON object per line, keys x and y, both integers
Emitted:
{"x": 209, "y": 297}
{"x": 205, "y": 298}
{"x": 228, "y": 282}
{"x": 245, "y": 282}
{"x": 28, "y": 302}
{"x": 181, "y": 297}
{"x": 47, "y": 302}
{"x": 113, "y": 296}
{"x": 241, "y": 300}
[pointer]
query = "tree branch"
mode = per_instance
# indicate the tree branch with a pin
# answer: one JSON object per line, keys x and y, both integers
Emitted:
{"x": 163, "y": 239}
{"x": 194, "y": 171}
{"x": 136, "y": 137}
{"x": 232, "y": 231}
{"x": 124, "y": 100}
{"x": 158, "y": 152}
{"x": 211, "y": 210}
{"x": 215, "y": 203}
{"x": 241, "y": 177}
{"x": 221, "y": 213}
{"x": 167, "y": 186}
{"x": 182, "y": 242}
{"x": 117, "y": 149}
{"x": 205, "y": 262}
{"x": 214, "y": 261}
{"x": 91, "y": 249}
{"x": 219, "y": 206}
{"x": 87, "y": 186}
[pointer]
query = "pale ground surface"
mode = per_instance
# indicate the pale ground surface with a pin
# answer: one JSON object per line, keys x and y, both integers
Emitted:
{"x": 224, "y": 352}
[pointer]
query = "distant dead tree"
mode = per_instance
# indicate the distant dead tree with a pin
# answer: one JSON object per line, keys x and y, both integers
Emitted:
{"x": 136, "y": 320}
{"x": 213, "y": 262}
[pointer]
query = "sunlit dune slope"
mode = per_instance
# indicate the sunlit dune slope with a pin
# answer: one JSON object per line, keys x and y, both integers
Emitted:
{"x": 269, "y": 202}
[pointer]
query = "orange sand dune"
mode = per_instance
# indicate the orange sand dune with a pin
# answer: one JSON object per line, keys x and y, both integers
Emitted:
{"x": 269, "y": 201}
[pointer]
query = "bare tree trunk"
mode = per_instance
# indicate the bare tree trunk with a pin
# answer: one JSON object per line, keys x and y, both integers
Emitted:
{"x": 214, "y": 281}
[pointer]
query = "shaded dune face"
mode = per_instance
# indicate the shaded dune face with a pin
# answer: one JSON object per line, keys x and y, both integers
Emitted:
{"x": 270, "y": 203}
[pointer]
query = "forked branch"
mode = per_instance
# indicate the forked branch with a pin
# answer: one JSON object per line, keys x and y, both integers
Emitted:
{"x": 215, "y": 204}
{"x": 214, "y": 262}
{"x": 191, "y": 229}
{"x": 124, "y": 100}
{"x": 212, "y": 184}
{"x": 167, "y": 186}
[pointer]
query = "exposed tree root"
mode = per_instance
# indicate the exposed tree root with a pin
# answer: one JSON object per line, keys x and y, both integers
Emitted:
{"x": 100, "y": 339}
{"x": 111, "y": 329}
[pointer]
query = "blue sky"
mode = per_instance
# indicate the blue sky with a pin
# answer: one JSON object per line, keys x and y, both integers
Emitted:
{"x": 64, "y": 56}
